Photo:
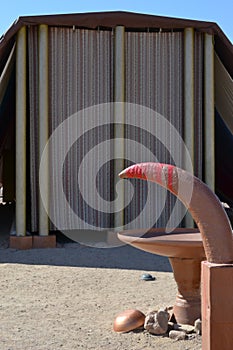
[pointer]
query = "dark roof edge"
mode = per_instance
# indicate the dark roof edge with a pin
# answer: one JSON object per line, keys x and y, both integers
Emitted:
{"x": 94, "y": 20}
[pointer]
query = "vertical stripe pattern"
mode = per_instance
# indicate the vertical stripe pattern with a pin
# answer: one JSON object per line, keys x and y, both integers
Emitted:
{"x": 81, "y": 75}
{"x": 81, "y": 68}
{"x": 154, "y": 73}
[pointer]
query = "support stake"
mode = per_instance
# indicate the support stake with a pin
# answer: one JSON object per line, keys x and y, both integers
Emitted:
{"x": 21, "y": 78}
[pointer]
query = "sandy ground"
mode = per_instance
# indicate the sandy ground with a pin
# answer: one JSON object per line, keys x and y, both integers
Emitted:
{"x": 67, "y": 298}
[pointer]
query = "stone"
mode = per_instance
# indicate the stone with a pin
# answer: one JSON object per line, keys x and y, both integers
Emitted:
{"x": 187, "y": 328}
{"x": 170, "y": 326}
{"x": 147, "y": 277}
{"x": 191, "y": 336}
{"x": 169, "y": 309}
{"x": 197, "y": 326}
{"x": 177, "y": 335}
{"x": 157, "y": 322}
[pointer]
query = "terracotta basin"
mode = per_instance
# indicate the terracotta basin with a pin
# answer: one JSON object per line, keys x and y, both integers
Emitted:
{"x": 185, "y": 251}
{"x": 180, "y": 243}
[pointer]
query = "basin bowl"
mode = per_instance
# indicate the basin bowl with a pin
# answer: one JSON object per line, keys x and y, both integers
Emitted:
{"x": 180, "y": 243}
{"x": 184, "y": 248}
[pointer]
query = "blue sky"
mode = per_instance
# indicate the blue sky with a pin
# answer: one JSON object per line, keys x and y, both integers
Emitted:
{"x": 208, "y": 10}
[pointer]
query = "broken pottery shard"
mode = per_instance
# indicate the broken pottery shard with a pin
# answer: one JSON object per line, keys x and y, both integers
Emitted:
{"x": 128, "y": 320}
{"x": 157, "y": 322}
{"x": 177, "y": 335}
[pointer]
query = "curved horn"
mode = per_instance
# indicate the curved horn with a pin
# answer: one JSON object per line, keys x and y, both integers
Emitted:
{"x": 204, "y": 206}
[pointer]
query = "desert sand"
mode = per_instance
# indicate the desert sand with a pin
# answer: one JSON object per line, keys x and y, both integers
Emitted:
{"x": 67, "y": 298}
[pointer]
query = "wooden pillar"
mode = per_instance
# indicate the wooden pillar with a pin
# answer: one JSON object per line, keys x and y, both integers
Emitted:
{"x": 119, "y": 97}
{"x": 6, "y": 73}
{"x": 43, "y": 125}
{"x": 21, "y": 240}
{"x": 44, "y": 240}
{"x": 209, "y": 112}
{"x": 189, "y": 102}
{"x": 21, "y": 79}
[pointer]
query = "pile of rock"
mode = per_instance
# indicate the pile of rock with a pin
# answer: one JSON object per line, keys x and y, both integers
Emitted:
{"x": 160, "y": 323}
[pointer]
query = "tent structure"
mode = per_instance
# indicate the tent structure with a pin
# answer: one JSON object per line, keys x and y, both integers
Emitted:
{"x": 111, "y": 71}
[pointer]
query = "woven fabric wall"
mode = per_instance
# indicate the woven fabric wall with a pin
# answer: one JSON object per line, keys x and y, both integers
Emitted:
{"x": 154, "y": 78}
{"x": 81, "y": 71}
{"x": 81, "y": 75}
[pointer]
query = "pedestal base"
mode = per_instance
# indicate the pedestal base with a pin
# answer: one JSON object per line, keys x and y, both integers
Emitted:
{"x": 187, "y": 311}
{"x": 217, "y": 306}
{"x": 187, "y": 274}
{"x": 40, "y": 242}
{"x": 21, "y": 242}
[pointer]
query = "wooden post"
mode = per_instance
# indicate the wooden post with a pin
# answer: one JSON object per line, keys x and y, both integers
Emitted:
{"x": 119, "y": 118}
{"x": 21, "y": 78}
{"x": 43, "y": 124}
{"x": 21, "y": 241}
{"x": 209, "y": 111}
{"x": 44, "y": 240}
{"x": 189, "y": 102}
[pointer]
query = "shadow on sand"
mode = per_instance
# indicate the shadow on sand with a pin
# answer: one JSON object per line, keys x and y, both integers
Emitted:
{"x": 76, "y": 254}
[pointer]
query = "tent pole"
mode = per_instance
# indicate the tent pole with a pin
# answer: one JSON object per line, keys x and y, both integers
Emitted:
{"x": 43, "y": 124}
{"x": 119, "y": 96}
{"x": 6, "y": 73}
{"x": 21, "y": 77}
{"x": 209, "y": 111}
{"x": 189, "y": 102}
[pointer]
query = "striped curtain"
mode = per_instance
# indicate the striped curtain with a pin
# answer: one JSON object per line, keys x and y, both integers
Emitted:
{"x": 154, "y": 78}
{"x": 81, "y": 75}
